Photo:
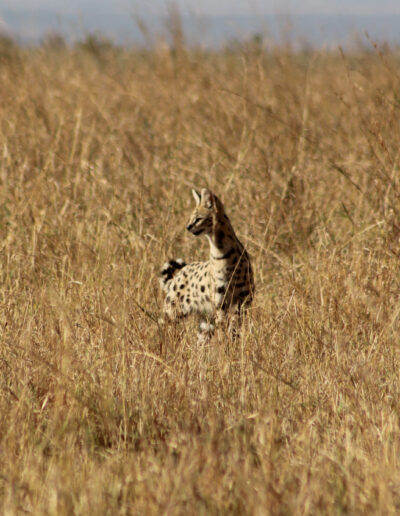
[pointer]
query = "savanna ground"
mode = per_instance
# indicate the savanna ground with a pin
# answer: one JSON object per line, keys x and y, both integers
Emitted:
{"x": 102, "y": 411}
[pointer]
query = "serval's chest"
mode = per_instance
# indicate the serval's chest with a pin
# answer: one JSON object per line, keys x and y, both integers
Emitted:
{"x": 232, "y": 276}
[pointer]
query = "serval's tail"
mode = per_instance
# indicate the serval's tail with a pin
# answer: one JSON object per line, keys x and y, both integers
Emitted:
{"x": 168, "y": 271}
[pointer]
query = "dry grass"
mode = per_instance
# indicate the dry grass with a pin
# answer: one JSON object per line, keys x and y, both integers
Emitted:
{"x": 104, "y": 413}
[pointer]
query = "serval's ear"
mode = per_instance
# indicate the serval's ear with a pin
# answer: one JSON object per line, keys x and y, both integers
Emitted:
{"x": 207, "y": 198}
{"x": 197, "y": 196}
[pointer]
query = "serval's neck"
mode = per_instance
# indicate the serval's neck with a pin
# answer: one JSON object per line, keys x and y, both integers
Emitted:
{"x": 223, "y": 240}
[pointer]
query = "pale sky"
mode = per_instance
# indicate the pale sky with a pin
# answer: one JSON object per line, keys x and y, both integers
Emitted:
{"x": 32, "y": 19}
{"x": 214, "y": 7}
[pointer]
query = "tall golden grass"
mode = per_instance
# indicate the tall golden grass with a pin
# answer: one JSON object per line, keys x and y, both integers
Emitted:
{"x": 102, "y": 411}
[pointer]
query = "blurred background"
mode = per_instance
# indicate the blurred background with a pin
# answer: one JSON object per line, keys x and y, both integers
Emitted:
{"x": 209, "y": 24}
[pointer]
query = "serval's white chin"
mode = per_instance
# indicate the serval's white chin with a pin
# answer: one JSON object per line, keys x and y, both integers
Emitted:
{"x": 217, "y": 289}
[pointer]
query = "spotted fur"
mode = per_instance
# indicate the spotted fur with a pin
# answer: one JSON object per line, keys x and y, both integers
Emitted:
{"x": 216, "y": 289}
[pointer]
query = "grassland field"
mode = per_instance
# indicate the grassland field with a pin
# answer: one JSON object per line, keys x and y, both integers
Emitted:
{"x": 103, "y": 412}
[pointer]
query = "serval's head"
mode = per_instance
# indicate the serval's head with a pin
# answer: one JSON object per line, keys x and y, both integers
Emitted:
{"x": 208, "y": 209}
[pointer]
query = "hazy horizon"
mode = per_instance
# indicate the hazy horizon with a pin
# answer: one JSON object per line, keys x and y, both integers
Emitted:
{"x": 315, "y": 21}
{"x": 212, "y": 8}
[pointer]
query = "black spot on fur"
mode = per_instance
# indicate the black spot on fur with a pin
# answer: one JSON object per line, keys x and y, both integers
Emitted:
{"x": 202, "y": 288}
{"x": 176, "y": 264}
{"x": 170, "y": 269}
{"x": 220, "y": 289}
{"x": 181, "y": 286}
{"x": 220, "y": 237}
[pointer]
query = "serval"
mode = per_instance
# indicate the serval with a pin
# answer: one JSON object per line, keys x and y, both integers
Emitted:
{"x": 217, "y": 289}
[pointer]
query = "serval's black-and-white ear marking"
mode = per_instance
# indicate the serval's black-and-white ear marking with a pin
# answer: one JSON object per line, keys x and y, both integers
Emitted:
{"x": 196, "y": 196}
{"x": 207, "y": 198}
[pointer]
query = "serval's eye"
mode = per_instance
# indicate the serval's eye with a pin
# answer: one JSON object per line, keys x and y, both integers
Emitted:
{"x": 197, "y": 220}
